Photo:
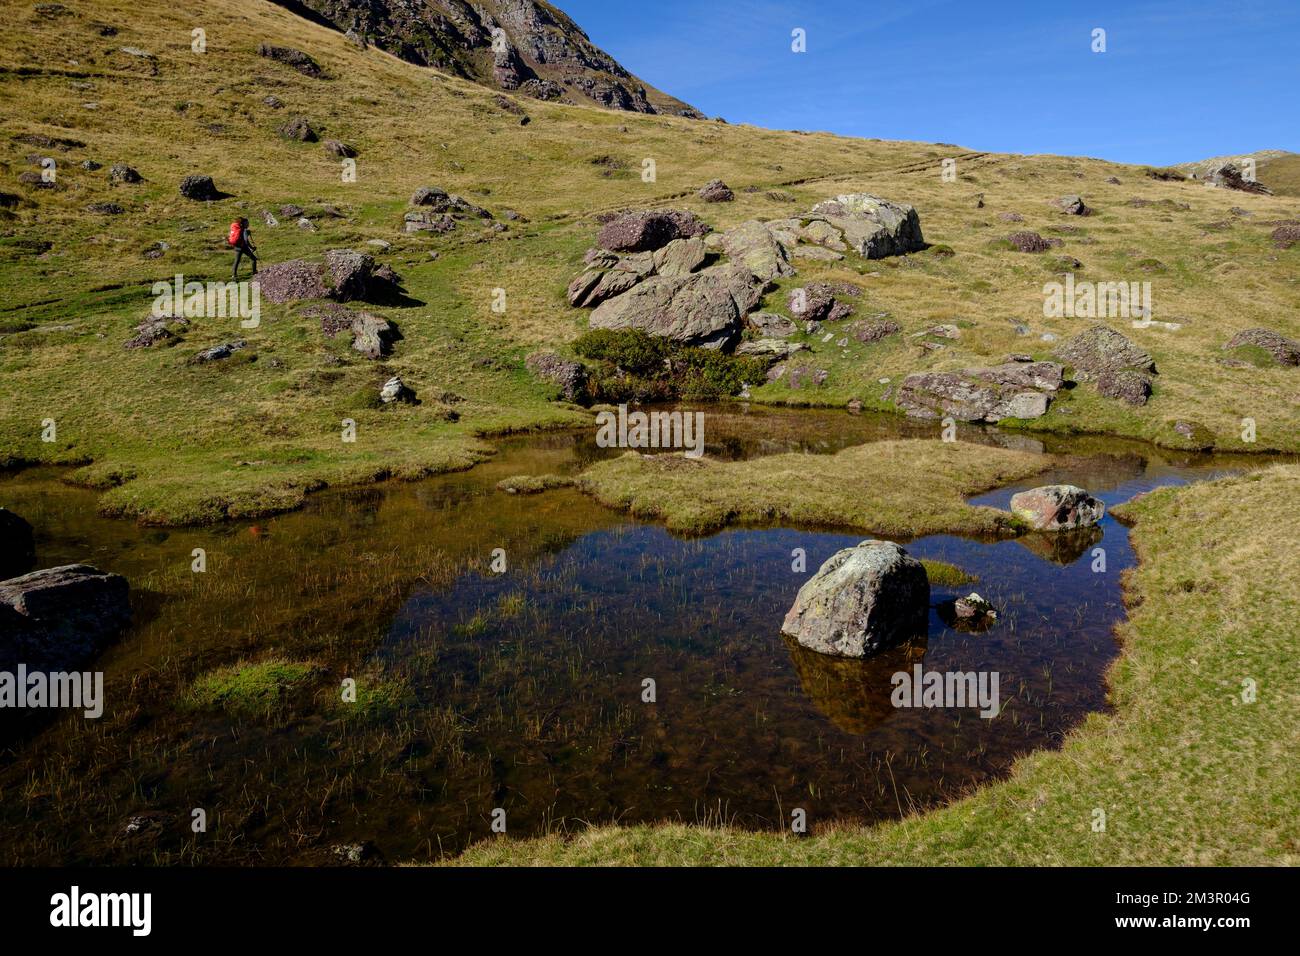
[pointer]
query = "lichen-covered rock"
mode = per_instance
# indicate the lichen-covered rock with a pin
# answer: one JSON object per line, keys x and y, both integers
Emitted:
{"x": 753, "y": 245}
{"x": 570, "y": 376}
{"x": 862, "y": 600}
{"x": 1057, "y": 508}
{"x": 649, "y": 230}
{"x": 1101, "y": 349}
{"x": 1013, "y": 390}
{"x": 1127, "y": 384}
{"x": 773, "y": 326}
{"x": 1284, "y": 351}
{"x": 872, "y": 226}
{"x": 703, "y": 309}
{"x": 59, "y": 619}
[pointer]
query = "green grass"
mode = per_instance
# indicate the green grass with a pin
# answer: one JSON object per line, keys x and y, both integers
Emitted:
{"x": 533, "y": 484}
{"x": 946, "y": 575}
{"x": 1186, "y": 771}
{"x": 250, "y": 688}
{"x": 855, "y": 488}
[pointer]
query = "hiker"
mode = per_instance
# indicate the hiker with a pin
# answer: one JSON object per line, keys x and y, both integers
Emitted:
{"x": 240, "y": 242}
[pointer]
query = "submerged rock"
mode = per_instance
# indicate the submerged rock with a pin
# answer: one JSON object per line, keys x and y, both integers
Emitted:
{"x": 970, "y": 613}
{"x": 1057, "y": 508}
{"x": 60, "y": 618}
{"x": 862, "y": 600}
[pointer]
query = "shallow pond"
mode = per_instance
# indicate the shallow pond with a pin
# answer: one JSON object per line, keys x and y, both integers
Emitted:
{"x": 523, "y": 690}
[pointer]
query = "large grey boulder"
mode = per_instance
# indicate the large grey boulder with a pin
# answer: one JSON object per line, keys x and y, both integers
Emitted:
{"x": 753, "y": 245}
{"x": 862, "y": 600}
{"x": 17, "y": 545}
{"x": 61, "y": 618}
{"x": 872, "y": 226}
{"x": 1021, "y": 390}
{"x": 1057, "y": 508}
{"x": 704, "y": 309}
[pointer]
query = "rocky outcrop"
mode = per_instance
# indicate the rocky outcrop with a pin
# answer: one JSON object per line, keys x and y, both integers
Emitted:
{"x": 17, "y": 545}
{"x": 570, "y": 376}
{"x": 753, "y": 245}
{"x": 862, "y": 600}
{"x": 1283, "y": 350}
{"x": 372, "y": 336}
{"x": 1230, "y": 176}
{"x": 199, "y": 188}
{"x": 524, "y": 45}
{"x": 1021, "y": 390}
{"x": 300, "y": 61}
{"x": 715, "y": 190}
{"x": 820, "y": 302}
{"x": 649, "y": 230}
{"x": 770, "y": 325}
{"x": 59, "y": 619}
{"x": 704, "y": 309}
{"x": 1120, "y": 369}
{"x": 873, "y": 227}
{"x": 346, "y": 275}
{"x": 1057, "y": 508}
{"x": 292, "y": 280}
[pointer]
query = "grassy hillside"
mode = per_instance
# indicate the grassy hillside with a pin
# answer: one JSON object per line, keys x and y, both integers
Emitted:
{"x": 1195, "y": 766}
{"x": 170, "y": 442}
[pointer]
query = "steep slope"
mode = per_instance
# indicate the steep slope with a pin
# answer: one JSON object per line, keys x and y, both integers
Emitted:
{"x": 524, "y": 45}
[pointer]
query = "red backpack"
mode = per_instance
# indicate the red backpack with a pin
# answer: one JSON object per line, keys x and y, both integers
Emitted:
{"x": 236, "y": 233}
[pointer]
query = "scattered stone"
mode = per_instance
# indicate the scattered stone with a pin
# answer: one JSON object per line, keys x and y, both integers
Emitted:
{"x": 219, "y": 352}
{"x": 395, "y": 390}
{"x": 802, "y": 375}
{"x": 274, "y": 102}
{"x": 372, "y": 336}
{"x": 1057, "y": 508}
{"x": 1284, "y": 351}
{"x": 105, "y": 209}
{"x": 869, "y": 331}
{"x": 570, "y": 376}
{"x": 971, "y": 614}
{"x": 338, "y": 148}
{"x": 1031, "y": 242}
{"x": 774, "y": 349}
{"x": 269, "y": 218}
{"x": 59, "y": 619}
{"x": 300, "y": 61}
{"x": 157, "y": 329}
{"x": 1011, "y": 217}
{"x": 861, "y": 601}
{"x": 1196, "y": 434}
{"x": 89, "y": 165}
{"x": 1286, "y": 235}
{"x": 1072, "y": 206}
{"x": 199, "y": 188}
{"x": 122, "y": 173}
{"x": 716, "y": 191}
{"x": 872, "y": 226}
{"x": 298, "y": 128}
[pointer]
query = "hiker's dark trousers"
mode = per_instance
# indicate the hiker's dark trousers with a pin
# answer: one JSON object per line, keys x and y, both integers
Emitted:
{"x": 242, "y": 250}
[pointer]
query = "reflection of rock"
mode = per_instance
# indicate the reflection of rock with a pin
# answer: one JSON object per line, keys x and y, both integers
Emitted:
{"x": 853, "y": 694}
{"x": 860, "y": 601}
{"x": 1062, "y": 547}
{"x": 17, "y": 545}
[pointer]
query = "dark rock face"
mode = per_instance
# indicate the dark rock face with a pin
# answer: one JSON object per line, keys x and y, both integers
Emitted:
{"x": 199, "y": 187}
{"x": 61, "y": 618}
{"x": 571, "y": 377}
{"x": 1057, "y": 508}
{"x": 524, "y": 45}
{"x": 1285, "y": 351}
{"x": 300, "y": 61}
{"x": 1015, "y": 390}
{"x": 650, "y": 230}
{"x": 1229, "y": 176}
{"x": 17, "y": 545}
{"x": 861, "y": 601}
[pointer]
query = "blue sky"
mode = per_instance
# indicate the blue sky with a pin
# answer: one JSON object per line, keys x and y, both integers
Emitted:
{"x": 1179, "y": 81}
